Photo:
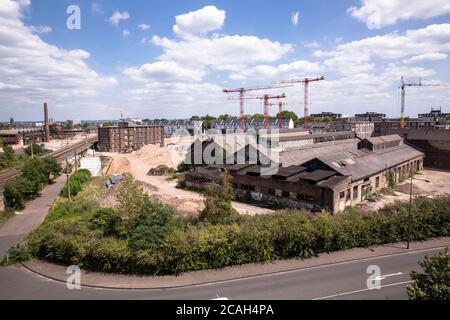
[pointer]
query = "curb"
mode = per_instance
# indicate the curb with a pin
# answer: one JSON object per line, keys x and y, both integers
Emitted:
{"x": 200, "y": 284}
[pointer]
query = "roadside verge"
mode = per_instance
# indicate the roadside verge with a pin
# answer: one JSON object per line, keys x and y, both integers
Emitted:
{"x": 200, "y": 278}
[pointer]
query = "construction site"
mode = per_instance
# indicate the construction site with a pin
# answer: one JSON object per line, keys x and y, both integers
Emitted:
{"x": 296, "y": 168}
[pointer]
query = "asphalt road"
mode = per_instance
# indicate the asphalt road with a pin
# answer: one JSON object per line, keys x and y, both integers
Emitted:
{"x": 342, "y": 281}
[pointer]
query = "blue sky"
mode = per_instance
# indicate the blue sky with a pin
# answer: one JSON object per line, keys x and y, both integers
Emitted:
{"x": 176, "y": 65}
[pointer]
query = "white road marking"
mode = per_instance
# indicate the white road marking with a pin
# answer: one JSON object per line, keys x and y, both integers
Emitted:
{"x": 380, "y": 278}
{"x": 363, "y": 290}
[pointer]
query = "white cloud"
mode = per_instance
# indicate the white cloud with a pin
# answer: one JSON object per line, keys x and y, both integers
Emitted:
{"x": 144, "y": 26}
{"x": 126, "y": 33}
{"x": 199, "y": 22}
{"x": 313, "y": 44}
{"x": 221, "y": 52}
{"x": 264, "y": 72}
{"x": 425, "y": 58}
{"x": 40, "y": 29}
{"x": 164, "y": 71}
{"x": 32, "y": 71}
{"x": 118, "y": 16}
{"x": 295, "y": 17}
{"x": 380, "y": 13}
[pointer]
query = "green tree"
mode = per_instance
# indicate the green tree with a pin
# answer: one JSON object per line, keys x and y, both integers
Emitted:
{"x": 258, "y": 116}
{"x": 130, "y": 198}
{"x": 12, "y": 196}
{"x": 8, "y": 153}
{"x": 37, "y": 150}
{"x": 289, "y": 115}
{"x": 218, "y": 206}
{"x": 434, "y": 283}
{"x": 35, "y": 171}
{"x": 52, "y": 167}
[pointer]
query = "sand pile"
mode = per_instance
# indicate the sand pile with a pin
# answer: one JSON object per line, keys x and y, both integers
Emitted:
{"x": 119, "y": 165}
{"x": 154, "y": 156}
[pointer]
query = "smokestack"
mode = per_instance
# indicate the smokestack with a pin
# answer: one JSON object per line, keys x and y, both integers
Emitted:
{"x": 46, "y": 125}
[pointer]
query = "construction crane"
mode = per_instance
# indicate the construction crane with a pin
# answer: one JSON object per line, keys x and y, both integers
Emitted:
{"x": 406, "y": 83}
{"x": 266, "y": 98}
{"x": 305, "y": 83}
{"x": 242, "y": 92}
{"x": 280, "y": 111}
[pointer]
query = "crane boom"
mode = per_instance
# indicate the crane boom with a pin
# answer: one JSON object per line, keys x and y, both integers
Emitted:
{"x": 305, "y": 83}
{"x": 242, "y": 92}
{"x": 406, "y": 83}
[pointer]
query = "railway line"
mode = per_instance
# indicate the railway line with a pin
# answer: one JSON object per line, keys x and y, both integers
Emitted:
{"x": 59, "y": 155}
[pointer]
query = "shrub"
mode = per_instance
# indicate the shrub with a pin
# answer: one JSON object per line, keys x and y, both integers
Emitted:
{"x": 157, "y": 244}
{"x": 76, "y": 183}
{"x": 37, "y": 150}
{"x": 218, "y": 207}
{"x": 13, "y": 196}
{"x": 110, "y": 222}
{"x": 161, "y": 171}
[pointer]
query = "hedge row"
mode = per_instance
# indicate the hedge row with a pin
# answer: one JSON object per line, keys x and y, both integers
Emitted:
{"x": 191, "y": 247}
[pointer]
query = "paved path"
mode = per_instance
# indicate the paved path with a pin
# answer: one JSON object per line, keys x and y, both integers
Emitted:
{"x": 15, "y": 229}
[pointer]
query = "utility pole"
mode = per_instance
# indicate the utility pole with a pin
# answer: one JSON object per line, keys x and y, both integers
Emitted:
{"x": 410, "y": 215}
{"x": 76, "y": 163}
{"x": 68, "y": 179}
{"x": 31, "y": 148}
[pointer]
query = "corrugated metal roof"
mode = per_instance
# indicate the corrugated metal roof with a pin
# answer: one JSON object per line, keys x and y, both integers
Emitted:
{"x": 299, "y": 156}
{"x": 370, "y": 163}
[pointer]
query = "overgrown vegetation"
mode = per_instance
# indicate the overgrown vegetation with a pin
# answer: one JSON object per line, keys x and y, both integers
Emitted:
{"x": 218, "y": 207}
{"x": 141, "y": 236}
{"x": 161, "y": 171}
{"x": 434, "y": 282}
{"x": 76, "y": 183}
{"x": 5, "y": 215}
{"x": 36, "y": 173}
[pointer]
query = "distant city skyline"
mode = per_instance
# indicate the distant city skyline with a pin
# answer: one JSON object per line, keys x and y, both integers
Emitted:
{"x": 171, "y": 60}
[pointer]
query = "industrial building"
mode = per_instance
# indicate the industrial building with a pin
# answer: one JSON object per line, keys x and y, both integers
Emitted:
{"x": 22, "y": 136}
{"x": 127, "y": 137}
{"x": 327, "y": 176}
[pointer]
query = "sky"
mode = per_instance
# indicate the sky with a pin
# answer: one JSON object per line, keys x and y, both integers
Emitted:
{"x": 172, "y": 59}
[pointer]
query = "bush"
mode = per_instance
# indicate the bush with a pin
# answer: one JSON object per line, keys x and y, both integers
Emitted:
{"x": 76, "y": 183}
{"x": 37, "y": 150}
{"x": 158, "y": 244}
{"x": 161, "y": 171}
{"x": 109, "y": 221}
{"x": 434, "y": 282}
{"x": 218, "y": 207}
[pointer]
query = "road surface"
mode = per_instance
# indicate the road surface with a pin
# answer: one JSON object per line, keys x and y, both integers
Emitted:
{"x": 341, "y": 281}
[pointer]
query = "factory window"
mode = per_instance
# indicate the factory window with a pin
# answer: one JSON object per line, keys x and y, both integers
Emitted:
{"x": 286, "y": 194}
{"x": 271, "y": 192}
{"x": 377, "y": 183}
{"x": 305, "y": 198}
{"x": 355, "y": 193}
{"x": 342, "y": 195}
{"x": 348, "y": 195}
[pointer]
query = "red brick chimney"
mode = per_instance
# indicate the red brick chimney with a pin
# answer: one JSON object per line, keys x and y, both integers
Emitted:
{"x": 46, "y": 124}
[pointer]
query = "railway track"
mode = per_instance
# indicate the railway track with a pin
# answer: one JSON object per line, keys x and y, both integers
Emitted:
{"x": 59, "y": 155}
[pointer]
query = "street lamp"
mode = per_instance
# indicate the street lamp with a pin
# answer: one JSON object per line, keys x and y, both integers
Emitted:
{"x": 410, "y": 209}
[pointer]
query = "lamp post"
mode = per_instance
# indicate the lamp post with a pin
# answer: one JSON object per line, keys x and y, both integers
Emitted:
{"x": 410, "y": 210}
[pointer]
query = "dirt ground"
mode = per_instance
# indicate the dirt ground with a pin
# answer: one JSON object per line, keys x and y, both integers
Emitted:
{"x": 429, "y": 183}
{"x": 140, "y": 162}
